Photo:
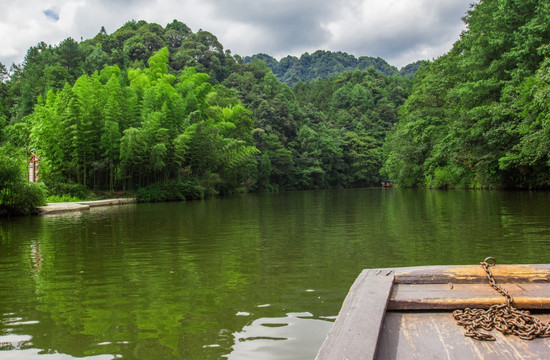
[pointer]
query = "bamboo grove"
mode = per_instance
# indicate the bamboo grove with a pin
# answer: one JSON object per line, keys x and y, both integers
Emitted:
{"x": 140, "y": 126}
{"x": 168, "y": 114}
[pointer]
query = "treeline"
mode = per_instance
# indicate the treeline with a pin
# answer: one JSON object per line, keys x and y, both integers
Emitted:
{"x": 315, "y": 136}
{"x": 169, "y": 114}
{"x": 139, "y": 127}
{"x": 49, "y": 67}
{"x": 324, "y": 64}
{"x": 478, "y": 117}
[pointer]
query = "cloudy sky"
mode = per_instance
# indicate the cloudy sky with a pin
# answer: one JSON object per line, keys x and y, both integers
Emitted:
{"x": 399, "y": 31}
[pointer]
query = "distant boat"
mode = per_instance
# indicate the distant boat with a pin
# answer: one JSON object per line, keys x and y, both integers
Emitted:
{"x": 407, "y": 313}
{"x": 387, "y": 183}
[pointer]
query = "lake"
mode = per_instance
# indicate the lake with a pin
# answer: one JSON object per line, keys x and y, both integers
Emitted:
{"x": 255, "y": 276}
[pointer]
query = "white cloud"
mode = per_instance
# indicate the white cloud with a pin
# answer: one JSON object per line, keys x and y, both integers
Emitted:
{"x": 396, "y": 30}
{"x": 400, "y": 31}
{"x": 24, "y": 24}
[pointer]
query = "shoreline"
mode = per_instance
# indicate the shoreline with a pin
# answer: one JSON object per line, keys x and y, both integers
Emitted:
{"x": 63, "y": 207}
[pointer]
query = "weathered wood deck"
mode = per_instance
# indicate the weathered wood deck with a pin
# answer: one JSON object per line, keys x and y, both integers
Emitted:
{"x": 406, "y": 313}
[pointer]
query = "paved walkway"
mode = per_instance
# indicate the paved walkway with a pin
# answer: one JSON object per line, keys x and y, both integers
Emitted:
{"x": 56, "y": 208}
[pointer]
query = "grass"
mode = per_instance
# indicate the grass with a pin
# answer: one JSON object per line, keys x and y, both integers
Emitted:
{"x": 62, "y": 198}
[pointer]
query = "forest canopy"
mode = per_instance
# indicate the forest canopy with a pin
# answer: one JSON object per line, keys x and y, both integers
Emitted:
{"x": 167, "y": 113}
{"x": 478, "y": 117}
{"x": 324, "y": 64}
{"x": 170, "y": 114}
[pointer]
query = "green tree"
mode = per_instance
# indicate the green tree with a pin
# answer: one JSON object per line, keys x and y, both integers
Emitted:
{"x": 132, "y": 157}
{"x": 110, "y": 145}
{"x": 465, "y": 123}
{"x": 17, "y": 195}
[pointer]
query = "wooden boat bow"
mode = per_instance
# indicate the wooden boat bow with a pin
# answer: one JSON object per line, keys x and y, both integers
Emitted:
{"x": 389, "y": 313}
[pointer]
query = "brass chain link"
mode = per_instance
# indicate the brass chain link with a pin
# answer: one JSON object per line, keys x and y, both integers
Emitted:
{"x": 504, "y": 317}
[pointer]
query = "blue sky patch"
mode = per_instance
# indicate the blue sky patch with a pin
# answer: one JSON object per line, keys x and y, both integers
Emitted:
{"x": 52, "y": 13}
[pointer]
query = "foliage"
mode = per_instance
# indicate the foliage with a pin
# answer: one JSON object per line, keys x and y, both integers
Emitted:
{"x": 168, "y": 114}
{"x": 17, "y": 195}
{"x": 60, "y": 191}
{"x": 325, "y": 64}
{"x": 48, "y": 67}
{"x": 173, "y": 190}
{"x": 137, "y": 127}
{"x": 410, "y": 70}
{"x": 531, "y": 154}
{"x": 476, "y": 116}
{"x": 62, "y": 198}
{"x": 354, "y": 112}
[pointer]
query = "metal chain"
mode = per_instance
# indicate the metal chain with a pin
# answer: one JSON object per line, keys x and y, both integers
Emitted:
{"x": 504, "y": 317}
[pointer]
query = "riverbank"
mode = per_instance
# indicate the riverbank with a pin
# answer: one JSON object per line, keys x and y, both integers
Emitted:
{"x": 57, "y": 208}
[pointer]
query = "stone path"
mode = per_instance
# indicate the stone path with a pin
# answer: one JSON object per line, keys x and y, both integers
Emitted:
{"x": 56, "y": 208}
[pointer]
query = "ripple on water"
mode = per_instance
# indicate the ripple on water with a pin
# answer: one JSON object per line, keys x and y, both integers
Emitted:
{"x": 176, "y": 274}
{"x": 14, "y": 341}
{"x": 294, "y": 336}
{"x": 36, "y": 354}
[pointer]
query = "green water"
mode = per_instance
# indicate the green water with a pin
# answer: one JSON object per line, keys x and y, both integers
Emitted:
{"x": 248, "y": 277}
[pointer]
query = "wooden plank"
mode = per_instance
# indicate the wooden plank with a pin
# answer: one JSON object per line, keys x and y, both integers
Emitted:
{"x": 471, "y": 274}
{"x": 533, "y": 296}
{"x": 435, "y": 335}
{"x": 355, "y": 332}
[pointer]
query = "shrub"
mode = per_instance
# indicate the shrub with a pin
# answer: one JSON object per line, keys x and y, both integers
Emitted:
{"x": 17, "y": 195}
{"x": 62, "y": 198}
{"x": 173, "y": 190}
{"x": 56, "y": 187}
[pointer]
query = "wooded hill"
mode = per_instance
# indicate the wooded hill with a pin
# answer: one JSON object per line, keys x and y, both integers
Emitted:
{"x": 324, "y": 64}
{"x": 479, "y": 115}
{"x": 168, "y": 113}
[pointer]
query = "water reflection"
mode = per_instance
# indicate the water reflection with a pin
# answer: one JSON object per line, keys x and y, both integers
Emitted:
{"x": 294, "y": 336}
{"x": 254, "y": 276}
{"x": 15, "y": 342}
{"x": 21, "y": 347}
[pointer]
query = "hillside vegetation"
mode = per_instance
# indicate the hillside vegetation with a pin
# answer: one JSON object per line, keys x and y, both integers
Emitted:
{"x": 168, "y": 114}
{"x": 479, "y": 116}
{"x": 324, "y": 64}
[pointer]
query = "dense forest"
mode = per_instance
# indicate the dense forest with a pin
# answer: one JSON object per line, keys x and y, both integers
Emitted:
{"x": 324, "y": 64}
{"x": 479, "y": 116}
{"x": 167, "y": 113}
